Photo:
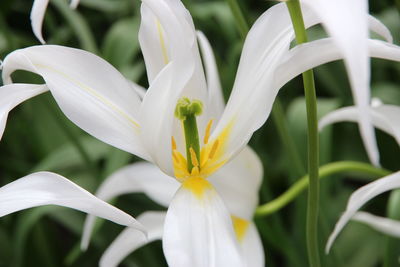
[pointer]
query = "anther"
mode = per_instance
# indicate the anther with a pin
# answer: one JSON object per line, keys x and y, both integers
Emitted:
{"x": 176, "y": 158}
{"x": 208, "y": 130}
{"x": 213, "y": 149}
{"x": 193, "y": 156}
{"x": 173, "y": 143}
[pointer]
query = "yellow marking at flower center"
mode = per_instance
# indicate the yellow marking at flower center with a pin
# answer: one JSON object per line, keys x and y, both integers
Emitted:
{"x": 211, "y": 156}
{"x": 240, "y": 226}
{"x": 197, "y": 186}
{"x": 162, "y": 42}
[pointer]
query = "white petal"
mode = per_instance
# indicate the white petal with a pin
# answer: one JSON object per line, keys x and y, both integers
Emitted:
{"x": 168, "y": 26}
{"x": 135, "y": 178}
{"x": 253, "y": 93}
{"x": 215, "y": 97}
{"x": 360, "y": 197}
{"x": 238, "y": 183}
{"x": 92, "y": 93}
{"x": 45, "y": 188}
{"x": 157, "y": 115}
{"x": 153, "y": 42}
{"x": 198, "y": 229}
{"x": 347, "y": 22}
{"x": 37, "y": 16}
{"x": 12, "y": 95}
{"x": 251, "y": 99}
{"x": 252, "y": 248}
{"x": 167, "y": 34}
{"x": 379, "y": 28}
{"x": 304, "y": 58}
{"x": 384, "y": 225}
{"x": 130, "y": 239}
{"x": 384, "y": 117}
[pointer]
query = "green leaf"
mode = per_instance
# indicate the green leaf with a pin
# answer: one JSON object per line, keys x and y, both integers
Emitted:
{"x": 121, "y": 44}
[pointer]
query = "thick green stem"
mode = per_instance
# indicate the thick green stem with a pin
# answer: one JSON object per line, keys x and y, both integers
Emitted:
{"x": 192, "y": 139}
{"x": 325, "y": 171}
{"x": 313, "y": 150}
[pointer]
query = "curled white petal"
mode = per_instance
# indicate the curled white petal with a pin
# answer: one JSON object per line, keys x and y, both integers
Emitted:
{"x": 359, "y": 198}
{"x": 45, "y": 188}
{"x": 37, "y": 15}
{"x": 215, "y": 96}
{"x": 12, "y": 95}
{"x": 130, "y": 239}
{"x": 381, "y": 224}
{"x": 91, "y": 93}
{"x": 347, "y": 22}
{"x": 384, "y": 117}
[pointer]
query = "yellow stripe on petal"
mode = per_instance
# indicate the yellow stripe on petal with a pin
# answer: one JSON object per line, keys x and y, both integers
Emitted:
{"x": 162, "y": 42}
{"x": 94, "y": 93}
{"x": 240, "y": 226}
{"x": 197, "y": 186}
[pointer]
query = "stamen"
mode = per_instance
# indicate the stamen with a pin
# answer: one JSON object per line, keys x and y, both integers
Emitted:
{"x": 176, "y": 158}
{"x": 208, "y": 130}
{"x": 195, "y": 171}
{"x": 173, "y": 143}
{"x": 193, "y": 156}
{"x": 213, "y": 149}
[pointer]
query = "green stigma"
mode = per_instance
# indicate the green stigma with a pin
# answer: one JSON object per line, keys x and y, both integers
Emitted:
{"x": 186, "y": 110}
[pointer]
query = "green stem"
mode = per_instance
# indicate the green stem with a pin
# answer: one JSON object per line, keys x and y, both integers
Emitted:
{"x": 313, "y": 150}
{"x": 240, "y": 20}
{"x": 325, "y": 171}
{"x": 277, "y": 110}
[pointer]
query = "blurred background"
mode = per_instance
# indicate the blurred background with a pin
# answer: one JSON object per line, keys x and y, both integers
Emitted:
{"x": 39, "y": 137}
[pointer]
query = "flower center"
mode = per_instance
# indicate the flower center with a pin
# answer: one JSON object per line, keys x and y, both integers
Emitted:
{"x": 201, "y": 160}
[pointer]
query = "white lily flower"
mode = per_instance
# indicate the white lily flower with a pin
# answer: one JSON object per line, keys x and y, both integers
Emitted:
{"x": 385, "y": 118}
{"x": 37, "y": 16}
{"x": 347, "y": 22}
{"x": 178, "y": 110}
{"x": 237, "y": 183}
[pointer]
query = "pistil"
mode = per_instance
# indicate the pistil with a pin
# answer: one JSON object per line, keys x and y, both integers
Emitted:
{"x": 186, "y": 110}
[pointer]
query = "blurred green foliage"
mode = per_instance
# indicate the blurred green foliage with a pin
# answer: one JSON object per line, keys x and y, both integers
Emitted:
{"x": 39, "y": 137}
